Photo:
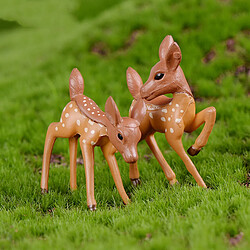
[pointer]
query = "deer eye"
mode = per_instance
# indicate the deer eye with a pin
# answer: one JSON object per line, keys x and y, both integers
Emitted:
{"x": 120, "y": 136}
{"x": 159, "y": 76}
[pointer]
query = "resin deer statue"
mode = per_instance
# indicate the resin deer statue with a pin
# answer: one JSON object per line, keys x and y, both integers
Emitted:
{"x": 82, "y": 119}
{"x": 172, "y": 116}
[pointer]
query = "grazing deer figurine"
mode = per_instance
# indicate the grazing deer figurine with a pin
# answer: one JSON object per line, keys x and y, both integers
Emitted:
{"x": 83, "y": 119}
{"x": 172, "y": 116}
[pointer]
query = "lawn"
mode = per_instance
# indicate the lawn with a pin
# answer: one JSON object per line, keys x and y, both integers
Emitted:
{"x": 41, "y": 42}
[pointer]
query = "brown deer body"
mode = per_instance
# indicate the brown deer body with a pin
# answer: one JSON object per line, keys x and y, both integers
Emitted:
{"x": 172, "y": 116}
{"x": 82, "y": 119}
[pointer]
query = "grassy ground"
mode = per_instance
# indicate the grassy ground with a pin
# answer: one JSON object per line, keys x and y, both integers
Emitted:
{"x": 41, "y": 41}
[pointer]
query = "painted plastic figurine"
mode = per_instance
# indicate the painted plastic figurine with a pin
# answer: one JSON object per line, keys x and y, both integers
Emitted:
{"x": 172, "y": 116}
{"x": 82, "y": 119}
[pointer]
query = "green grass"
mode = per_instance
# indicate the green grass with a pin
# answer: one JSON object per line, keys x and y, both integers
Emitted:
{"x": 41, "y": 41}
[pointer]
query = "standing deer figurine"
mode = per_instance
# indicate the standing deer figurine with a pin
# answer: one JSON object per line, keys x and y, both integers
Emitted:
{"x": 83, "y": 119}
{"x": 172, "y": 116}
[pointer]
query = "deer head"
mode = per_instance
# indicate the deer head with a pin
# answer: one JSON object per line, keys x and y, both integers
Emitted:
{"x": 123, "y": 132}
{"x": 166, "y": 76}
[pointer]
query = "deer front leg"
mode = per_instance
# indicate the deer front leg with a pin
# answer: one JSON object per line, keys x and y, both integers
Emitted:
{"x": 208, "y": 116}
{"x": 73, "y": 155}
{"x": 176, "y": 144}
{"x": 88, "y": 158}
{"x": 169, "y": 173}
{"x": 109, "y": 154}
{"x": 134, "y": 174}
{"x": 51, "y": 136}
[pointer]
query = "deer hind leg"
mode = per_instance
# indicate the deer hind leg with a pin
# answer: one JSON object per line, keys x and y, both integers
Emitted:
{"x": 73, "y": 155}
{"x": 134, "y": 174}
{"x": 176, "y": 144}
{"x": 52, "y": 134}
{"x": 88, "y": 158}
{"x": 208, "y": 116}
{"x": 109, "y": 154}
{"x": 169, "y": 173}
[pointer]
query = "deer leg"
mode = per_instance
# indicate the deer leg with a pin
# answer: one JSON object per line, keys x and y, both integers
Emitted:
{"x": 208, "y": 116}
{"x": 177, "y": 146}
{"x": 169, "y": 173}
{"x": 51, "y": 136}
{"x": 88, "y": 157}
{"x": 73, "y": 155}
{"x": 134, "y": 174}
{"x": 109, "y": 154}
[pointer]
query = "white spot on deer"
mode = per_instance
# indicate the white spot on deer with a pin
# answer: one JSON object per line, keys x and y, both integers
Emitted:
{"x": 67, "y": 115}
{"x": 163, "y": 119}
{"x": 151, "y": 115}
{"x": 181, "y": 111}
{"x": 90, "y": 122}
{"x": 177, "y": 120}
{"x": 75, "y": 110}
{"x": 92, "y": 143}
{"x": 100, "y": 125}
{"x": 88, "y": 109}
{"x": 166, "y": 130}
{"x": 170, "y": 104}
{"x": 85, "y": 104}
{"x": 84, "y": 97}
{"x": 90, "y": 103}
{"x": 84, "y": 101}
{"x": 169, "y": 119}
{"x": 99, "y": 114}
{"x": 164, "y": 110}
{"x": 103, "y": 115}
{"x": 93, "y": 107}
{"x": 92, "y": 113}
{"x": 171, "y": 130}
{"x": 71, "y": 105}
{"x": 63, "y": 125}
{"x": 173, "y": 110}
{"x": 92, "y": 132}
{"x": 86, "y": 130}
{"x": 78, "y": 122}
{"x": 177, "y": 105}
{"x": 83, "y": 141}
{"x": 56, "y": 128}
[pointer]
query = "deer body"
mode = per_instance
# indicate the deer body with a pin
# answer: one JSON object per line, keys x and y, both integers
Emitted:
{"x": 82, "y": 119}
{"x": 173, "y": 116}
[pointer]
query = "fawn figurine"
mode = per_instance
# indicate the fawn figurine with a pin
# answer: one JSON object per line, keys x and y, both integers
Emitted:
{"x": 82, "y": 119}
{"x": 172, "y": 116}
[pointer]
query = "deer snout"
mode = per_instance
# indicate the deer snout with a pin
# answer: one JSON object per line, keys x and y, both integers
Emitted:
{"x": 146, "y": 89}
{"x": 130, "y": 156}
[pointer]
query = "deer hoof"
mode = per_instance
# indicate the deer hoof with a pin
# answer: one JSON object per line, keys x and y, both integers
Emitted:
{"x": 174, "y": 182}
{"x": 92, "y": 207}
{"x": 44, "y": 191}
{"x": 193, "y": 151}
{"x": 136, "y": 182}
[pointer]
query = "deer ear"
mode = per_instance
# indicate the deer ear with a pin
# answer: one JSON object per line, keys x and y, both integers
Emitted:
{"x": 112, "y": 112}
{"x": 134, "y": 82}
{"x": 165, "y": 44}
{"x": 173, "y": 57}
{"x": 139, "y": 111}
{"x": 76, "y": 83}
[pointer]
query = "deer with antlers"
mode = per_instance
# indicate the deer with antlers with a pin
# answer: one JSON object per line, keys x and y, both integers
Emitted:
{"x": 82, "y": 119}
{"x": 172, "y": 116}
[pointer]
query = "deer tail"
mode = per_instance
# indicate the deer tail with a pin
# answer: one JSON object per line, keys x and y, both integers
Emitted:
{"x": 76, "y": 84}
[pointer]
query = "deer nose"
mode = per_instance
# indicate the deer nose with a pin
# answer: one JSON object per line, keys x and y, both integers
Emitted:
{"x": 143, "y": 92}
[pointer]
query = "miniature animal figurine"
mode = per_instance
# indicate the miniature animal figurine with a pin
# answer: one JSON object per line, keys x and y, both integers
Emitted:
{"x": 172, "y": 116}
{"x": 82, "y": 119}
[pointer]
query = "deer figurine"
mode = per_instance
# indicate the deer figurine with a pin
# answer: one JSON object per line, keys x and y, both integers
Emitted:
{"x": 172, "y": 116}
{"x": 82, "y": 119}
